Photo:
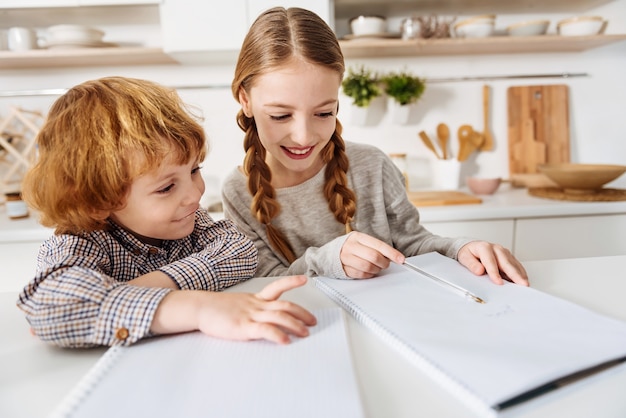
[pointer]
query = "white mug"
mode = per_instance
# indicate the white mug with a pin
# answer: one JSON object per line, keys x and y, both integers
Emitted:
{"x": 22, "y": 39}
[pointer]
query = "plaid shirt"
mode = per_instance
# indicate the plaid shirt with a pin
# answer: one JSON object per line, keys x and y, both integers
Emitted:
{"x": 79, "y": 297}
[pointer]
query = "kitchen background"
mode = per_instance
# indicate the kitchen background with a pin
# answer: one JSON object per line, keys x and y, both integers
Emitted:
{"x": 597, "y": 101}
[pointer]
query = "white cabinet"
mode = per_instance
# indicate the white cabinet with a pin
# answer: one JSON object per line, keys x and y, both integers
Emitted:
{"x": 496, "y": 231}
{"x": 195, "y": 30}
{"x": 197, "y": 25}
{"x": 570, "y": 237}
{"x": 17, "y": 4}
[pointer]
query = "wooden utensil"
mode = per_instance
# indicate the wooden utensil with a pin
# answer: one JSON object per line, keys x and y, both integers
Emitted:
{"x": 429, "y": 144}
{"x": 488, "y": 143}
{"x": 469, "y": 141}
{"x": 547, "y": 106}
{"x": 443, "y": 133}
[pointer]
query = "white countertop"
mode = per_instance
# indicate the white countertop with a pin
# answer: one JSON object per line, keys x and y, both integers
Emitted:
{"x": 507, "y": 203}
{"x": 35, "y": 376}
{"x": 516, "y": 203}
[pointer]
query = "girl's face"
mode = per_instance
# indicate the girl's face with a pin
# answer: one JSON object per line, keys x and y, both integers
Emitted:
{"x": 161, "y": 204}
{"x": 295, "y": 110}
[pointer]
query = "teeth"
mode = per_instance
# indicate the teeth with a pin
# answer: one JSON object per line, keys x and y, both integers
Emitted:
{"x": 299, "y": 151}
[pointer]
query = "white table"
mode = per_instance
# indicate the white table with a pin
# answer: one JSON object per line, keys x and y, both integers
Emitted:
{"x": 34, "y": 377}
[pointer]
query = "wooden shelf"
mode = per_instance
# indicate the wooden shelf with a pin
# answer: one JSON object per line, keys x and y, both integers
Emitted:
{"x": 349, "y": 8}
{"x": 375, "y": 48}
{"x": 84, "y": 57}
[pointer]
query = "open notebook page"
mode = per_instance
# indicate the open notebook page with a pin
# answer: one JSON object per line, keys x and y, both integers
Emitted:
{"x": 486, "y": 354}
{"x": 193, "y": 375}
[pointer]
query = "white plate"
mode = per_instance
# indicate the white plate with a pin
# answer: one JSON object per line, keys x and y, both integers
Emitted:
{"x": 79, "y": 44}
{"x": 372, "y": 36}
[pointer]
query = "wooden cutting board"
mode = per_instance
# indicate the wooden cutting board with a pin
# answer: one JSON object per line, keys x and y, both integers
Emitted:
{"x": 443, "y": 197}
{"x": 538, "y": 125}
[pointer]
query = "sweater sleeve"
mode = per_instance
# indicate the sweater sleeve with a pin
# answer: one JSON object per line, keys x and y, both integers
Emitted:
{"x": 73, "y": 303}
{"x": 323, "y": 260}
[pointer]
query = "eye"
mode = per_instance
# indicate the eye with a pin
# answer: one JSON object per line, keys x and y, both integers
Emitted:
{"x": 196, "y": 170}
{"x": 280, "y": 117}
{"x": 166, "y": 189}
{"x": 326, "y": 115}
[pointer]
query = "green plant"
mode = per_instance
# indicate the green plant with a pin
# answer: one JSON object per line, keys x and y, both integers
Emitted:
{"x": 404, "y": 87}
{"x": 361, "y": 85}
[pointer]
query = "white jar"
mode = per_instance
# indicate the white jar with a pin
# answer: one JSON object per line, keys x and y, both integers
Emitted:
{"x": 16, "y": 207}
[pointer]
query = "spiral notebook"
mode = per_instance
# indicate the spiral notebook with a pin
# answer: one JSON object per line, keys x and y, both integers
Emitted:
{"x": 193, "y": 375}
{"x": 518, "y": 346}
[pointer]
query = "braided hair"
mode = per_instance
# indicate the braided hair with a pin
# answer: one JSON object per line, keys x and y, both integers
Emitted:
{"x": 276, "y": 37}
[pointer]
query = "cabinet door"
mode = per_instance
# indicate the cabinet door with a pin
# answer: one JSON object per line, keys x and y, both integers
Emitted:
{"x": 570, "y": 237}
{"x": 498, "y": 232}
{"x": 199, "y": 25}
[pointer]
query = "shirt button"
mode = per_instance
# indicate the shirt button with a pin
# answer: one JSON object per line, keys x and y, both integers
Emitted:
{"x": 121, "y": 333}
{"x": 136, "y": 251}
{"x": 153, "y": 250}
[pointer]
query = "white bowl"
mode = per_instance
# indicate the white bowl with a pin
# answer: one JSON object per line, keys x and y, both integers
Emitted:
{"x": 530, "y": 28}
{"x": 581, "y": 26}
{"x": 475, "y": 27}
{"x": 368, "y": 25}
{"x": 73, "y": 33}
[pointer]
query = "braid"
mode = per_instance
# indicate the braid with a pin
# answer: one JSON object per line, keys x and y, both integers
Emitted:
{"x": 264, "y": 206}
{"x": 341, "y": 200}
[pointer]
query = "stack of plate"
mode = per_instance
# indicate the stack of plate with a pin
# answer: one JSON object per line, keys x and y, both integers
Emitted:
{"x": 74, "y": 36}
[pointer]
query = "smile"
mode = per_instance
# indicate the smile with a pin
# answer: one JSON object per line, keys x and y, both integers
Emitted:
{"x": 184, "y": 218}
{"x": 298, "y": 153}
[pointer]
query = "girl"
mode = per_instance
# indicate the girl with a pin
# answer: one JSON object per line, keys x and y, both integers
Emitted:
{"x": 311, "y": 202}
{"x": 133, "y": 255}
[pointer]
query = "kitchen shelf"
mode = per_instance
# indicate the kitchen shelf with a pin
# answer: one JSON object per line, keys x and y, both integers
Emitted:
{"x": 375, "y": 48}
{"x": 349, "y": 8}
{"x": 83, "y": 57}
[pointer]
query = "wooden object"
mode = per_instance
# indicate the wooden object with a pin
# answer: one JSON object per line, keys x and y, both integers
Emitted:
{"x": 377, "y": 48}
{"x": 441, "y": 198}
{"x": 488, "y": 143}
{"x": 538, "y": 127}
{"x": 601, "y": 195}
{"x": 429, "y": 144}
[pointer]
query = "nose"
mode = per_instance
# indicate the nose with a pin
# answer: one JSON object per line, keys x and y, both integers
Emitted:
{"x": 194, "y": 190}
{"x": 301, "y": 132}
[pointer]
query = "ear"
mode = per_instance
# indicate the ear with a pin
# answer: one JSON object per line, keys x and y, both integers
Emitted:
{"x": 244, "y": 100}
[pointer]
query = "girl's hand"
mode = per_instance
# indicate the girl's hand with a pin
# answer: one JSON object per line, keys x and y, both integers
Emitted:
{"x": 482, "y": 257}
{"x": 236, "y": 316}
{"x": 363, "y": 256}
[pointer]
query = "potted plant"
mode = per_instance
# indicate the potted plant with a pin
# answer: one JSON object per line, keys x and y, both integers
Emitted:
{"x": 403, "y": 89}
{"x": 362, "y": 85}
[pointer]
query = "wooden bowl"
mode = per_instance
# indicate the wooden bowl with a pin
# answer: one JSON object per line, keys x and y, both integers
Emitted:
{"x": 581, "y": 178}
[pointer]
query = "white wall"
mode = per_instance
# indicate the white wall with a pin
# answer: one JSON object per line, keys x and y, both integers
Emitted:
{"x": 597, "y": 102}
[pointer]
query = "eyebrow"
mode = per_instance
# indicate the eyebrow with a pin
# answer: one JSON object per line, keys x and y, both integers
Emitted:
{"x": 284, "y": 106}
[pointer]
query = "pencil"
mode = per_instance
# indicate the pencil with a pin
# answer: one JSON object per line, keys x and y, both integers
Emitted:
{"x": 458, "y": 289}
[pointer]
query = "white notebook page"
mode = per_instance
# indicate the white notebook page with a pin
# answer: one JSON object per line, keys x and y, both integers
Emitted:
{"x": 485, "y": 353}
{"x": 193, "y": 375}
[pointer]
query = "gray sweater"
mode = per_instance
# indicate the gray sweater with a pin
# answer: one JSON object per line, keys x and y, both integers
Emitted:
{"x": 383, "y": 211}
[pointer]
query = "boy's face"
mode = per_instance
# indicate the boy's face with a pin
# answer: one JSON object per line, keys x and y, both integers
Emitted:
{"x": 161, "y": 204}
